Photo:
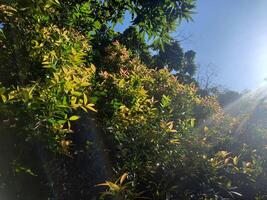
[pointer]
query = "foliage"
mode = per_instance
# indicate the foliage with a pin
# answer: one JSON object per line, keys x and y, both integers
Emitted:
{"x": 118, "y": 190}
{"x": 173, "y": 57}
{"x": 155, "y": 131}
{"x": 79, "y": 109}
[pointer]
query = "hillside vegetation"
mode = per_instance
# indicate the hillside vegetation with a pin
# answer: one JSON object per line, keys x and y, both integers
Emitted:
{"x": 91, "y": 113}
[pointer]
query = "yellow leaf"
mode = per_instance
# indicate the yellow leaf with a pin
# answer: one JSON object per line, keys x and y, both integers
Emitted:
{"x": 65, "y": 71}
{"x": 123, "y": 177}
{"x": 102, "y": 184}
{"x": 223, "y": 153}
{"x": 56, "y": 76}
{"x": 11, "y": 95}
{"x": 206, "y": 129}
{"x": 85, "y": 84}
{"x": 174, "y": 141}
{"x": 93, "y": 68}
{"x": 73, "y": 100}
{"x": 57, "y": 2}
{"x": 121, "y": 83}
{"x": 76, "y": 93}
{"x": 74, "y": 117}
{"x": 173, "y": 131}
{"x": 85, "y": 100}
{"x": 192, "y": 122}
{"x": 45, "y": 62}
{"x": 82, "y": 107}
{"x": 113, "y": 186}
{"x": 235, "y": 160}
{"x": 90, "y": 107}
{"x": 4, "y": 98}
{"x": 170, "y": 125}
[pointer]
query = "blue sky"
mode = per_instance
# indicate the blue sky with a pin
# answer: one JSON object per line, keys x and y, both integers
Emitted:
{"x": 230, "y": 36}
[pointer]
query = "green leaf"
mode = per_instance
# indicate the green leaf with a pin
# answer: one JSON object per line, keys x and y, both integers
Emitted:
{"x": 2, "y": 34}
{"x": 61, "y": 121}
{"x": 97, "y": 24}
{"x": 165, "y": 101}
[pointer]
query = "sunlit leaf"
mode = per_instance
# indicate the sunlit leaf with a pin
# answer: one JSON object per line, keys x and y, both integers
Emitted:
{"x": 123, "y": 177}
{"x": 235, "y": 160}
{"x": 90, "y": 107}
{"x": 74, "y": 118}
{"x": 206, "y": 129}
{"x": 85, "y": 100}
{"x": 113, "y": 186}
{"x": 175, "y": 141}
{"x": 4, "y": 99}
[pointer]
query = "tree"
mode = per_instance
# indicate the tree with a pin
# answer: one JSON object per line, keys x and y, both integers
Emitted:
{"x": 134, "y": 41}
{"x": 48, "y": 71}
{"x": 78, "y": 109}
{"x": 181, "y": 64}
